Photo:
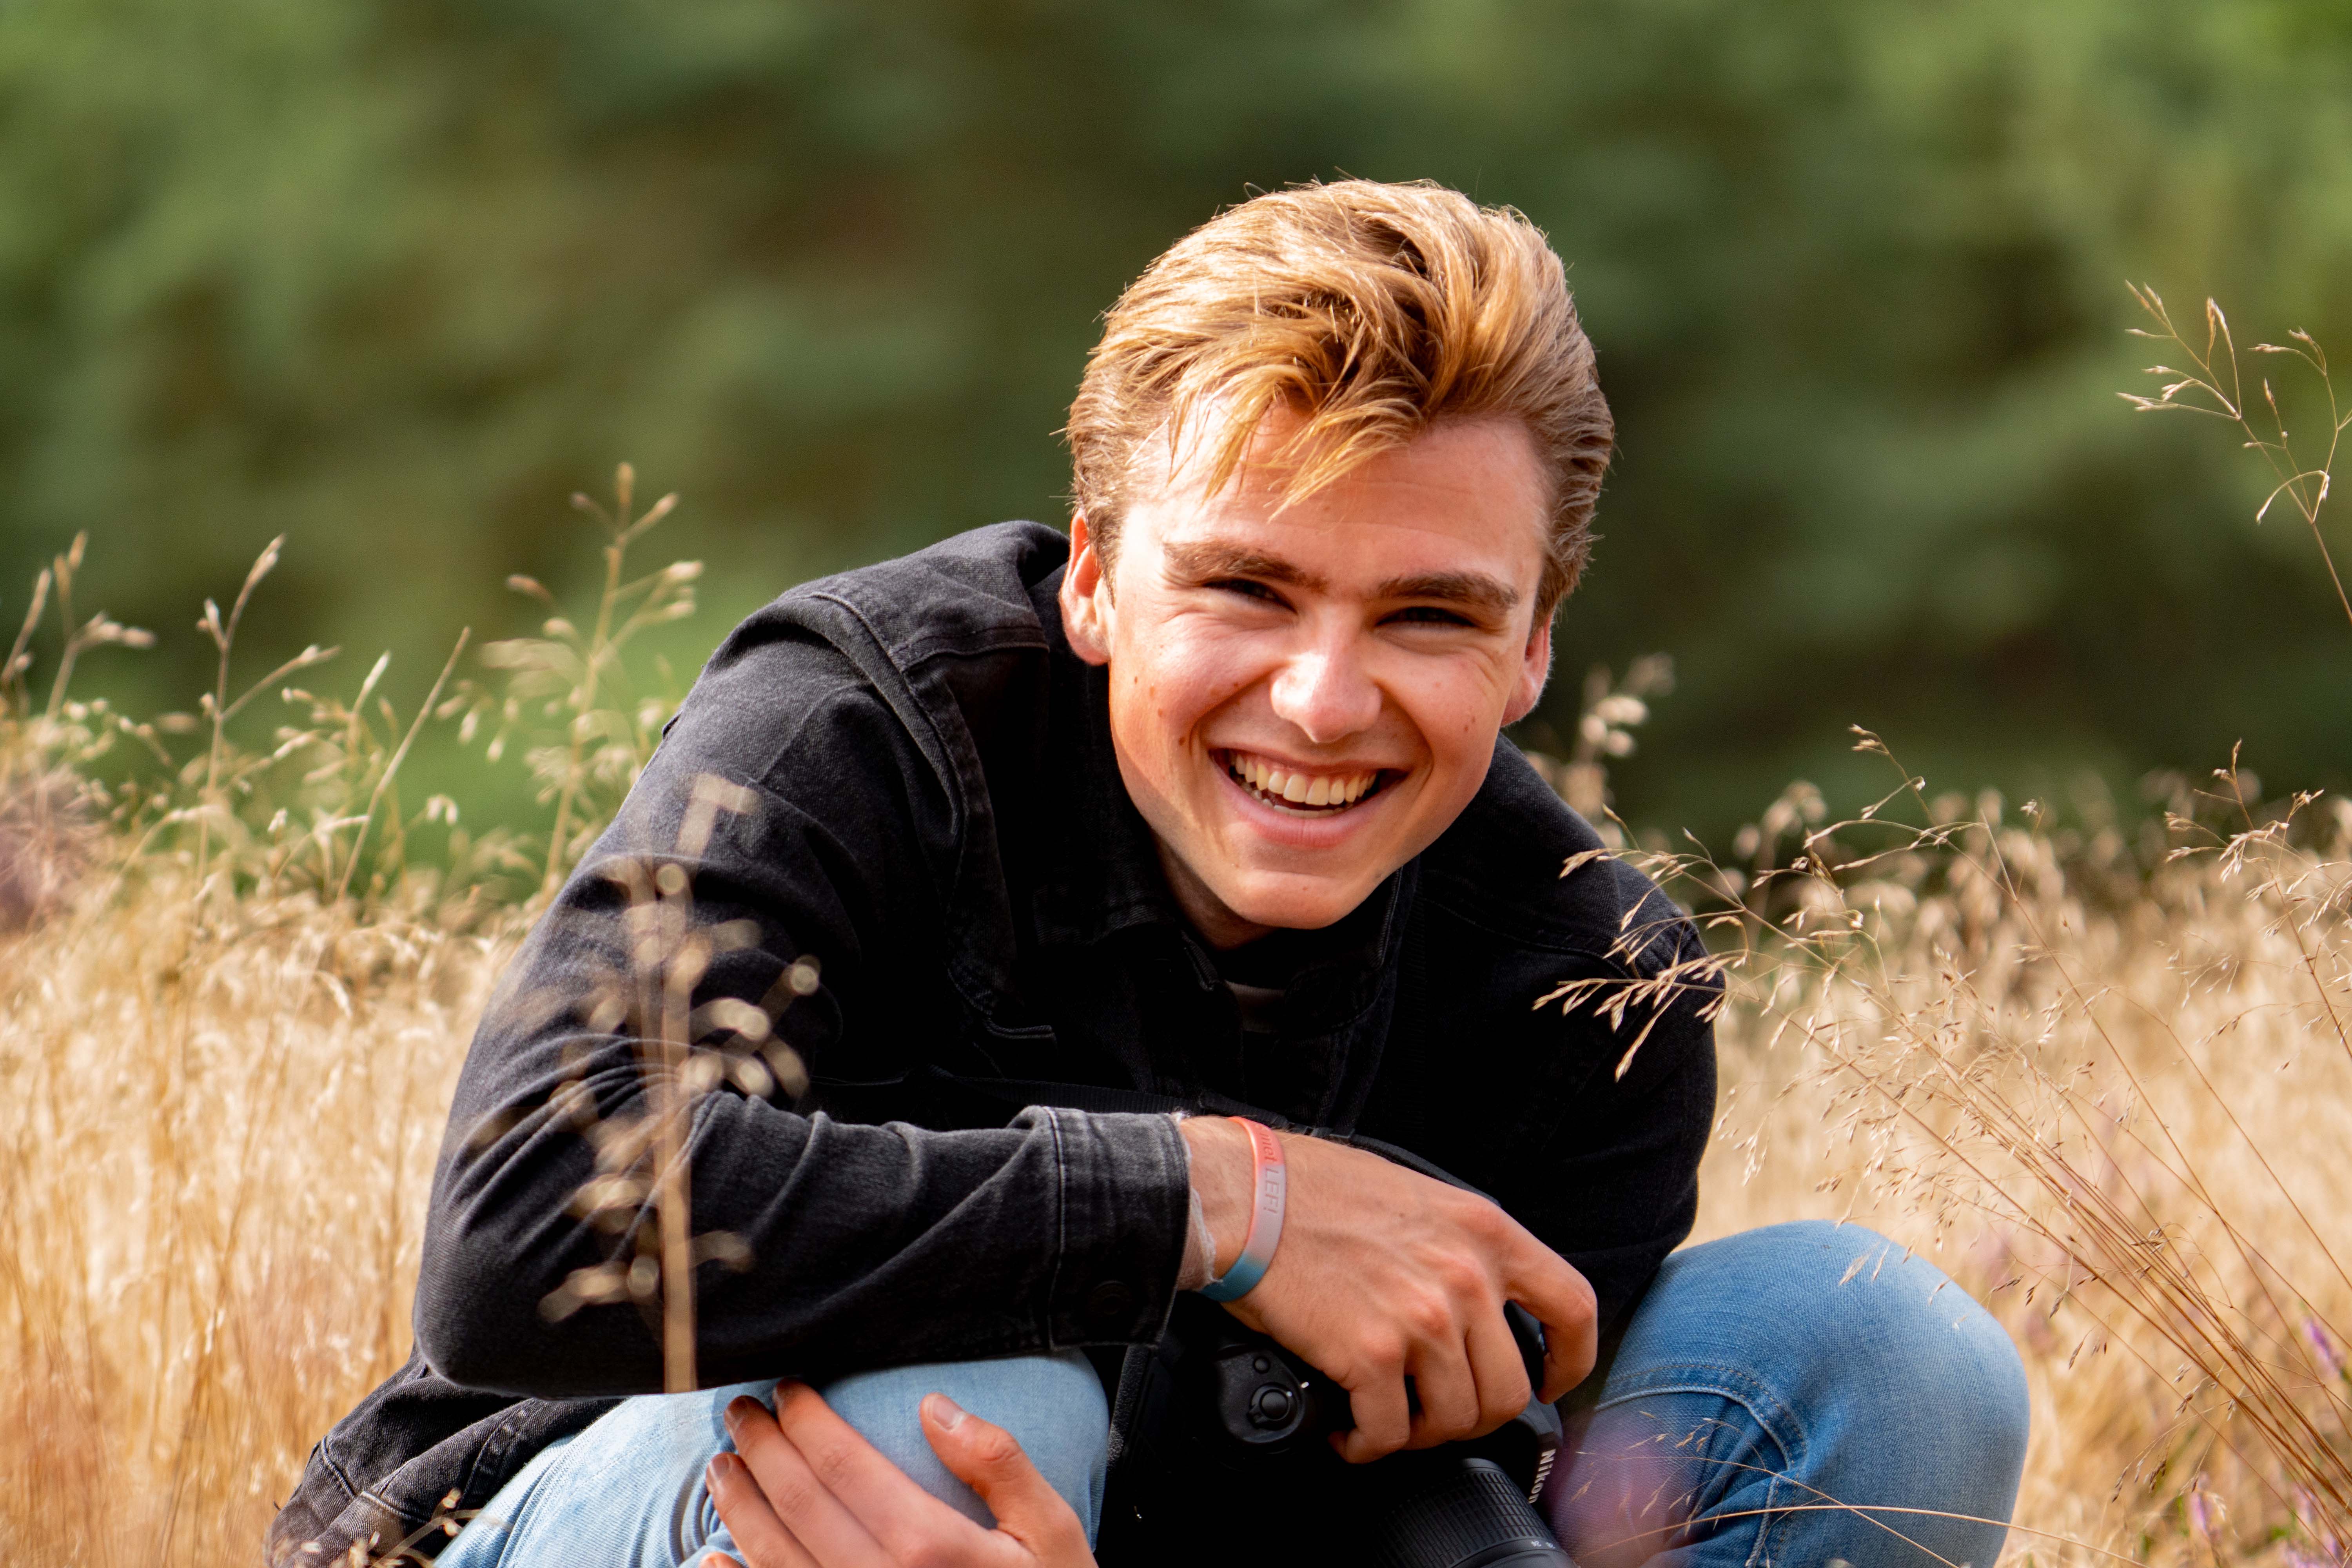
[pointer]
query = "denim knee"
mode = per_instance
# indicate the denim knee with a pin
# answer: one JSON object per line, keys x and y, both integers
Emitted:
{"x": 1892, "y": 1323}
{"x": 1053, "y": 1405}
{"x": 1846, "y": 1338}
{"x": 630, "y": 1488}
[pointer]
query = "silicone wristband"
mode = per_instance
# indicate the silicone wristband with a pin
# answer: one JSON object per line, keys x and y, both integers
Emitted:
{"x": 1267, "y": 1176}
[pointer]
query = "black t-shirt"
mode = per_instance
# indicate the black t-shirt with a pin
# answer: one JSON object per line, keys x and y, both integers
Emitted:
{"x": 1270, "y": 1065}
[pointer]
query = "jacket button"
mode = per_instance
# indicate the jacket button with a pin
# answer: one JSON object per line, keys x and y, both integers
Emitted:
{"x": 1109, "y": 1299}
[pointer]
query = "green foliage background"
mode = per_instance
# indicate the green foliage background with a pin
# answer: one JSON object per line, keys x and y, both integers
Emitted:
{"x": 394, "y": 277}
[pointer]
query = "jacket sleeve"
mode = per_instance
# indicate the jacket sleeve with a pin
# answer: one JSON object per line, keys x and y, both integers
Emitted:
{"x": 806, "y": 822}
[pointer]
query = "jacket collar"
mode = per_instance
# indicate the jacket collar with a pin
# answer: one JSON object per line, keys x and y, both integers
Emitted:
{"x": 1102, "y": 868}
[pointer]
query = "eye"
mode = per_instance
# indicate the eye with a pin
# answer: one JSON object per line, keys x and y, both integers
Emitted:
{"x": 1244, "y": 588}
{"x": 1429, "y": 616}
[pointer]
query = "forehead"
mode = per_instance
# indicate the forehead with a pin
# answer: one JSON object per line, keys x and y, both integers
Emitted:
{"x": 1464, "y": 495}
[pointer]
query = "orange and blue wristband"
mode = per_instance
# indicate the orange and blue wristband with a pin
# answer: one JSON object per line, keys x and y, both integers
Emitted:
{"x": 1269, "y": 1181}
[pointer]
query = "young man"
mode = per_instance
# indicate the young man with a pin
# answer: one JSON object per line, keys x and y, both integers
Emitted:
{"x": 1200, "y": 809}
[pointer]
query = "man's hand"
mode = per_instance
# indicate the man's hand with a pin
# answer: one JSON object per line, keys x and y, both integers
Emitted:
{"x": 803, "y": 1490}
{"x": 1383, "y": 1273}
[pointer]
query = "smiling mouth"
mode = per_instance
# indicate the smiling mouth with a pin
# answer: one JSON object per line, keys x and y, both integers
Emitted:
{"x": 1303, "y": 793}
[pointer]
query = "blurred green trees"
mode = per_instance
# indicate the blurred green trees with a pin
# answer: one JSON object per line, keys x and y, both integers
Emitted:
{"x": 395, "y": 279}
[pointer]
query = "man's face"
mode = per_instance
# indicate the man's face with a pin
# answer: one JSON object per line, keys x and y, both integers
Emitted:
{"x": 1303, "y": 698}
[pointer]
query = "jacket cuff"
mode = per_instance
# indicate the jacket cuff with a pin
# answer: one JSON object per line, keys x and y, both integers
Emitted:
{"x": 1124, "y": 1202}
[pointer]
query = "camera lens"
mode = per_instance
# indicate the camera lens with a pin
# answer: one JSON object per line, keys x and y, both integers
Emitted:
{"x": 1470, "y": 1515}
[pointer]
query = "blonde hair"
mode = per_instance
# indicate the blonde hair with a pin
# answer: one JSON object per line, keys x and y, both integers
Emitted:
{"x": 1372, "y": 311}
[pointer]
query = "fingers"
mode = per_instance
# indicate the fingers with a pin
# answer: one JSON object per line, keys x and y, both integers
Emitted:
{"x": 1470, "y": 1379}
{"x": 1384, "y": 1272}
{"x": 1383, "y": 1423}
{"x": 1448, "y": 1392}
{"x": 823, "y": 1491}
{"x": 881, "y": 1496}
{"x": 1547, "y": 1285}
{"x": 988, "y": 1459}
{"x": 1502, "y": 1375}
{"x": 910, "y": 1523}
{"x": 759, "y": 1534}
{"x": 1570, "y": 1357}
{"x": 804, "y": 1504}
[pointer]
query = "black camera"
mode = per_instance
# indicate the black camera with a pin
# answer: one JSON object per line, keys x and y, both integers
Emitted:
{"x": 1231, "y": 1453}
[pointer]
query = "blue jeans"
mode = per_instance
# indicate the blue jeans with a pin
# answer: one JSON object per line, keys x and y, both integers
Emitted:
{"x": 1799, "y": 1395}
{"x": 629, "y": 1491}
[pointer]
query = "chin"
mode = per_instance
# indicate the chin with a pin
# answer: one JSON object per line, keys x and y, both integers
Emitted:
{"x": 1291, "y": 907}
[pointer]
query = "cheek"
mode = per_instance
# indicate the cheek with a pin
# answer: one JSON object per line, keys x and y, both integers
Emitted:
{"x": 1457, "y": 708}
{"x": 1170, "y": 679}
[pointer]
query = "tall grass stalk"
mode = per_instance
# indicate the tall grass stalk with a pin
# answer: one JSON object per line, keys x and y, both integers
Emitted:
{"x": 392, "y": 765}
{"x": 218, "y": 710}
{"x": 2214, "y": 385}
{"x": 602, "y": 745}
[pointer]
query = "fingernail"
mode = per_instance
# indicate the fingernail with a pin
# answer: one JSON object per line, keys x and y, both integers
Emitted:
{"x": 714, "y": 1474}
{"x": 735, "y": 1412}
{"x": 946, "y": 1412}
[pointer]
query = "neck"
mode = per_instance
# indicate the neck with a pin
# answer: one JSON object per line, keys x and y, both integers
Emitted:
{"x": 1218, "y": 925}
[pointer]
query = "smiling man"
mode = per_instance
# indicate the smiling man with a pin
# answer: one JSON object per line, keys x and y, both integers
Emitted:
{"x": 1181, "y": 918}
{"x": 1306, "y": 688}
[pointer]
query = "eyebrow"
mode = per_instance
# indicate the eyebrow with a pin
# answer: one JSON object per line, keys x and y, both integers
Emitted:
{"x": 1206, "y": 561}
{"x": 1472, "y": 588}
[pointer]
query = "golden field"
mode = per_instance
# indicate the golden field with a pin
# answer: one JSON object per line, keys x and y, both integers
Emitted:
{"x": 2017, "y": 1051}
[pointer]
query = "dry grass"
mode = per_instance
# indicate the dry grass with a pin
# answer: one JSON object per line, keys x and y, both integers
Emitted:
{"x": 236, "y": 1005}
{"x": 217, "y": 1134}
{"x": 2110, "y": 1104}
{"x": 218, "y": 1129}
{"x": 2098, "y": 1077}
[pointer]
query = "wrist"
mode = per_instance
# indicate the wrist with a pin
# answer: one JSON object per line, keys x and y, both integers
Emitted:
{"x": 1269, "y": 1186}
{"x": 1221, "y": 1169}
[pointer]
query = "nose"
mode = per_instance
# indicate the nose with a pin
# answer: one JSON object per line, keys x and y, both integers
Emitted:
{"x": 1325, "y": 691}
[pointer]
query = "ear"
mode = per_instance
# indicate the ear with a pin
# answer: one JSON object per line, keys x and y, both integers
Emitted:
{"x": 1534, "y": 668}
{"x": 1089, "y": 616}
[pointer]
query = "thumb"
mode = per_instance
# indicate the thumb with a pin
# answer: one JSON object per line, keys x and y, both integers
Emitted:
{"x": 988, "y": 1459}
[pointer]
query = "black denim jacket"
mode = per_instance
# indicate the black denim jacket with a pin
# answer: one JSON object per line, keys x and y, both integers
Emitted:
{"x": 936, "y": 815}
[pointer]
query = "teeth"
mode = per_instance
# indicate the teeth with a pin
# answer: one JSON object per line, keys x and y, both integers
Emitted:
{"x": 1325, "y": 790}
